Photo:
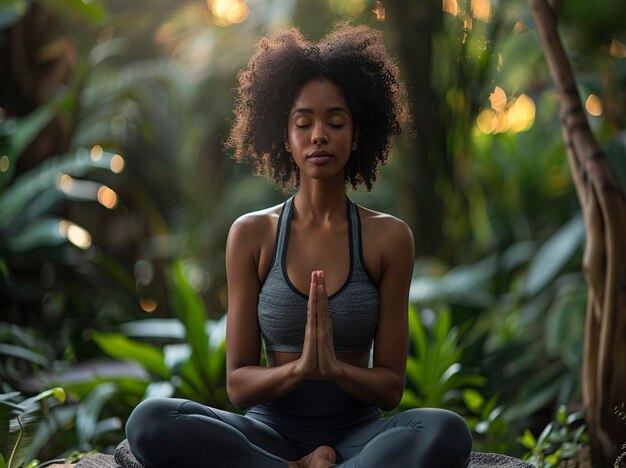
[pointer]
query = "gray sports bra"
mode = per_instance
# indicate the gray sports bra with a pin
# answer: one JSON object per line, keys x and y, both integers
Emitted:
{"x": 353, "y": 309}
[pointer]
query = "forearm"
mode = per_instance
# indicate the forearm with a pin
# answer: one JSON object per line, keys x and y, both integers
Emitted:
{"x": 378, "y": 386}
{"x": 251, "y": 385}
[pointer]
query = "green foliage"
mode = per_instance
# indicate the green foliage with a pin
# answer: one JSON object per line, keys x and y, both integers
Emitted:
{"x": 19, "y": 420}
{"x": 191, "y": 363}
{"x": 560, "y": 440}
{"x": 435, "y": 377}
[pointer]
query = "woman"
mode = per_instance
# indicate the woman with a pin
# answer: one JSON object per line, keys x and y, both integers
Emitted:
{"x": 318, "y": 280}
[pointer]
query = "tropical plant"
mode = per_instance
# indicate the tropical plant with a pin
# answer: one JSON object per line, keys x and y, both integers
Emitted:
{"x": 19, "y": 420}
{"x": 435, "y": 377}
{"x": 561, "y": 440}
{"x": 189, "y": 362}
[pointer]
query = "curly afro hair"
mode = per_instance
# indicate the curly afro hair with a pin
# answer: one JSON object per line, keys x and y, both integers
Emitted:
{"x": 352, "y": 57}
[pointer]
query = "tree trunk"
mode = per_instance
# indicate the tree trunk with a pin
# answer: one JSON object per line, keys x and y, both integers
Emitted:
{"x": 418, "y": 21}
{"x": 604, "y": 263}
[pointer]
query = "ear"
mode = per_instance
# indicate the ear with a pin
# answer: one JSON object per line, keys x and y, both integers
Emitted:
{"x": 286, "y": 141}
{"x": 355, "y": 135}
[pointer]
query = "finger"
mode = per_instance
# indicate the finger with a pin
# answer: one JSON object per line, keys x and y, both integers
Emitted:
{"x": 313, "y": 300}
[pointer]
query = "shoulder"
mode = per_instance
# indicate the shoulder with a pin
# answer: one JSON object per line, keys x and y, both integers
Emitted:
{"x": 385, "y": 228}
{"x": 252, "y": 228}
{"x": 255, "y": 221}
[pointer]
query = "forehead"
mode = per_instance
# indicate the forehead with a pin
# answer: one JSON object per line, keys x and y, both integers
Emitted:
{"x": 320, "y": 95}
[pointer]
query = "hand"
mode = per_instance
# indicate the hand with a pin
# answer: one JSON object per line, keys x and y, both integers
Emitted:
{"x": 308, "y": 359}
{"x": 326, "y": 358}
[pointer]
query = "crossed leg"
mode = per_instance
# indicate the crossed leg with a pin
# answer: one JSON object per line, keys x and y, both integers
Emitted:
{"x": 166, "y": 432}
{"x": 424, "y": 437}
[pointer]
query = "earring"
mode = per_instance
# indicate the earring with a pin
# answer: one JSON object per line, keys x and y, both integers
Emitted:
{"x": 288, "y": 148}
{"x": 354, "y": 146}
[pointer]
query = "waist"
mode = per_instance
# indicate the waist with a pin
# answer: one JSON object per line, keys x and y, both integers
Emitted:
{"x": 316, "y": 399}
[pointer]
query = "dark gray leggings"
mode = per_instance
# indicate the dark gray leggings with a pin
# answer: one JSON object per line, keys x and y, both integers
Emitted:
{"x": 168, "y": 432}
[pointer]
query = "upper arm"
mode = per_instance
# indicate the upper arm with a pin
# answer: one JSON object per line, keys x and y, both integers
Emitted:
{"x": 243, "y": 345}
{"x": 391, "y": 344}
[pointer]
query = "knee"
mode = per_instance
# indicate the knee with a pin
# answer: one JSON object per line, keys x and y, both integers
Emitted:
{"x": 147, "y": 424}
{"x": 450, "y": 436}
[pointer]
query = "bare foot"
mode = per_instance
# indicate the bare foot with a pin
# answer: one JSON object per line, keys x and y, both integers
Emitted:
{"x": 321, "y": 457}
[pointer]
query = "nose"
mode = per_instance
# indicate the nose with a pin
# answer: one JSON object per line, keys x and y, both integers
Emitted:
{"x": 318, "y": 137}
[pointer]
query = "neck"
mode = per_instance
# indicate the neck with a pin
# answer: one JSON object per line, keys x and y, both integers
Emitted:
{"x": 320, "y": 203}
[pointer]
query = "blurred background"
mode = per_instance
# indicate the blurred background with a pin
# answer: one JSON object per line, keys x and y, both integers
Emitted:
{"x": 116, "y": 196}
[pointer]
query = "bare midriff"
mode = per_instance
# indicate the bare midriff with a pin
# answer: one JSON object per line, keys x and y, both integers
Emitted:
{"x": 278, "y": 358}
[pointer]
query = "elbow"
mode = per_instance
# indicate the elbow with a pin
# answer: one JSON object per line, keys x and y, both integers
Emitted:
{"x": 392, "y": 397}
{"x": 235, "y": 395}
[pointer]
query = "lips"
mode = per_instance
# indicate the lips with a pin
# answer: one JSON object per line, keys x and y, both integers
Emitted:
{"x": 319, "y": 157}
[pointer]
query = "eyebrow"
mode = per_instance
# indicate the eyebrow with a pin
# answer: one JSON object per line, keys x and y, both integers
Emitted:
{"x": 330, "y": 110}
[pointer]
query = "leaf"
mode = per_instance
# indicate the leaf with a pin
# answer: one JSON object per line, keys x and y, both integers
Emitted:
{"x": 527, "y": 440}
{"x": 89, "y": 411}
{"x": 44, "y": 232}
{"x": 554, "y": 254}
{"x": 190, "y": 310}
{"x": 92, "y": 10}
{"x": 2, "y": 462}
{"x": 121, "y": 347}
{"x": 464, "y": 284}
{"x": 154, "y": 328}
{"x": 544, "y": 434}
{"x": 473, "y": 400}
{"x": 23, "y": 353}
{"x": 15, "y": 198}
{"x": 20, "y": 133}
{"x": 29, "y": 127}
{"x": 56, "y": 392}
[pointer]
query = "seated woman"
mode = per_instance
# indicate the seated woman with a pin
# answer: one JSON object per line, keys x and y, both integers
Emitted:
{"x": 318, "y": 279}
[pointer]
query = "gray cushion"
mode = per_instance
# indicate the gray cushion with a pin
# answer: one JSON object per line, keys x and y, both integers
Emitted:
{"x": 124, "y": 458}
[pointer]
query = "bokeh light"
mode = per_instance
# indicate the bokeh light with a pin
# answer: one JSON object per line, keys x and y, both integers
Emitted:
{"x": 507, "y": 114}
{"x": 96, "y": 153}
{"x": 593, "y": 104}
{"x": 117, "y": 164}
{"x": 147, "y": 304}
{"x": 5, "y": 163}
{"x": 617, "y": 49}
{"x": 75, "y": 234}
{"x": 107, "y": 197}
{"x": 229, "y": 11}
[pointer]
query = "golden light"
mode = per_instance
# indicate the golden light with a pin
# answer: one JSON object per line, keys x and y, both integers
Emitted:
{"x": 486, "y": 121}
{"x": 593, "y": 104}
{"x": 379, "y": 11}
{"x": 117, "y": 164}
{"x": 147, "y": 304}
{"x": 107, "y": 197}
{"x": 66, "y": 183}
{"x": 519, "y": 27}
{"x": 498, "y": 99}
{"x": 96, "y": 153}
{"x": 481, "y": 9}
{"x": 524, "y": 107}
{"x": 450, "y": 6}
{"x": 617, "y": 49}
{"x": 508, "y": 114}
{"x": 5, "y": 163}
{"x": 501, "y": 122}
{"x": 229, "y": 11}
{"x": 75, "y": 234}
